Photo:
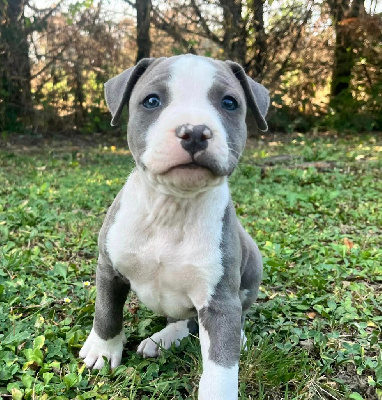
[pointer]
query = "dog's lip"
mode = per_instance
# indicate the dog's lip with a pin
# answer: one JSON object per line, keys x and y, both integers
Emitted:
{"x": 191, "y": 165}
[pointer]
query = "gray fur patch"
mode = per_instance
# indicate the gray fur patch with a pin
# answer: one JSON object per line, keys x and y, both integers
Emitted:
{"x": 225, "y": 84}
{"x": 251, "y": 268}
{"x": 222, "y": 317}
{"x": 112, "y": 289}
{"x": 123, "y": 90}
{"x": 225, "y": 315}
{"x": 111, "y": 296}
{"x": 154, "y": 81}
{"x": 222, "y": 321}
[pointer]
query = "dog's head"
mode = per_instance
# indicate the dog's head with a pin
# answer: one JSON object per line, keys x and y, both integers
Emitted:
{"x": 186, "y": 126}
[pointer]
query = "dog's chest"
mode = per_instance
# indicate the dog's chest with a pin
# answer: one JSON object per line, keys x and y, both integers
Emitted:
{"x": 168, "y": 248}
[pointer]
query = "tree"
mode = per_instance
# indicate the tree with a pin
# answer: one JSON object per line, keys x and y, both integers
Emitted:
{"x": 260, "y": 42}
{"x": 15, "y": 73}
{"x": 343, "y": 12}
{"x": 78, "y": 51}
{"x": 234, "y": 41}
{"x": 143, "y": 8}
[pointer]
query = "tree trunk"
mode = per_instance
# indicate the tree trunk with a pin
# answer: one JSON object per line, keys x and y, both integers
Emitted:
{"x": 344, "y": 58}
{"x": 79, "y": 97}
{"x": 235, "y": 34}
{"x": 143, "y": 28}
{"x": 15, "y": 71}
{"x": 260, "y": 38}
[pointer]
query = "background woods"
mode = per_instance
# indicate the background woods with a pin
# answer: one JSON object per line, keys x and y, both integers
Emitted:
{"x": 321, "y": 60}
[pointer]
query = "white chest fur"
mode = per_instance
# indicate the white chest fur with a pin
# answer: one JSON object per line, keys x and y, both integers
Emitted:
{"x": 168, "y": 247}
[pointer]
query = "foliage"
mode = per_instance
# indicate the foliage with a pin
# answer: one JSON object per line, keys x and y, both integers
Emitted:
{"x": 54, "y": 61}
{"x": 287, "y": 118}
{"x": 314, "y": 333}
{"x": 357, "y": 115}
{"x": 351, "y": 115}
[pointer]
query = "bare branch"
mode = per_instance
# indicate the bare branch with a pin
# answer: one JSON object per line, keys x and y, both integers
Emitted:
{"x": 204, "y": 24}
{"x": 131, "y": 3}
{"x": 281, "y": 70}
{"x": 43, "y": 18}
{"x": 172, "y": 29}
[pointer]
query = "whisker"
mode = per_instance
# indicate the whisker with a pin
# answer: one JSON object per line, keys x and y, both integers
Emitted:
{"x": 234, "y": 151}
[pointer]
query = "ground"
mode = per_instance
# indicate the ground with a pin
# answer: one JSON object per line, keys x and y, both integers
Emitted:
{"x": 316, "y": 213}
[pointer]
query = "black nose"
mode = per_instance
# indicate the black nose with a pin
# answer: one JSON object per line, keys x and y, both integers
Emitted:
{"x": 194, "y": 137}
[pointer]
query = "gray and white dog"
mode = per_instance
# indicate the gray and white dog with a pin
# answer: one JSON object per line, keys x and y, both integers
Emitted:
{"x": 171, "y": 234}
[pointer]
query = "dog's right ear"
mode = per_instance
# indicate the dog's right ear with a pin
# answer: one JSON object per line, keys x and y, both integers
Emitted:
{"x": 118, "y": 89}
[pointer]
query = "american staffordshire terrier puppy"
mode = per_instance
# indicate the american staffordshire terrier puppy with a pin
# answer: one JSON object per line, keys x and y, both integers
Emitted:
{"x": 171, "y": 234}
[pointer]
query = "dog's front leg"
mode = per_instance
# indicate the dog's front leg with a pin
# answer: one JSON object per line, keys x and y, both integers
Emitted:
{"x": 219, "y": 333}
{"x": 107, "y": 337}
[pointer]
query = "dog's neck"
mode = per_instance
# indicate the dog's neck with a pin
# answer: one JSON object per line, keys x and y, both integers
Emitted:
{"x": 166, "y": 209}
{"x": 160, "y": 186}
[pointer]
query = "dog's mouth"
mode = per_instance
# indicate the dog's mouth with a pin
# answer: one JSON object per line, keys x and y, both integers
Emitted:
{"x": 190, "y": 165}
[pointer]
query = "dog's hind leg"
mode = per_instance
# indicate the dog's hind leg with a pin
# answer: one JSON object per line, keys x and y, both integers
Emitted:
{"x": 251, "y": 274}
{"x": 173, "y": 333}
{"x": 107, "y": 337}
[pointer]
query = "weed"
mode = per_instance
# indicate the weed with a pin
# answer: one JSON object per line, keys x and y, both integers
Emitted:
{"x": 314, "y": 333}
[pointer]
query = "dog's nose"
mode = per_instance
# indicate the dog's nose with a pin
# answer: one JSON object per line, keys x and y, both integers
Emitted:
{"x": 194, "y": 137}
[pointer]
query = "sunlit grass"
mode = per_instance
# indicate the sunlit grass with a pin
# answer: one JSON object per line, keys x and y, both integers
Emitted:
{"x": 314, "y": 333}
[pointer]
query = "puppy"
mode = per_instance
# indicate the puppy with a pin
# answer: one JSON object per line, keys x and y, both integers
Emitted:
{"x": 171, "y": 234}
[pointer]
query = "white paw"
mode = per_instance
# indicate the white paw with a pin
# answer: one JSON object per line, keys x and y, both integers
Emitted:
{"x": 172, "y": 333}
{"x": 95, "y": 348}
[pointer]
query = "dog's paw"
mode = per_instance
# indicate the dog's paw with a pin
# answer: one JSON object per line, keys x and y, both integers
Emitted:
{"x": 171, "y": 334}
{"x": 95, "y": 348}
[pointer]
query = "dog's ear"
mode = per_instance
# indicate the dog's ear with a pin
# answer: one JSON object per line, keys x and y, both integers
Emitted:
{"x": 257, "y": 95}
{"x": 118, "y": 89}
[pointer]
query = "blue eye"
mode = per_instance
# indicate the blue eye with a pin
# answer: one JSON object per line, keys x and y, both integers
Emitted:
{"x": 151, "y": 101}
{"x": 229, "y": 103}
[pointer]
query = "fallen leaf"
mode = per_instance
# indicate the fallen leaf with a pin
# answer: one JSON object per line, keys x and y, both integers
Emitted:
{"x": 348, "y": 243}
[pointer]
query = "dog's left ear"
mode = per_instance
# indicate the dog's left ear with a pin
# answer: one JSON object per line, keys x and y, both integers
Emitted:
{"x": 257, "y": 95}
{"x": 118, "y": 89}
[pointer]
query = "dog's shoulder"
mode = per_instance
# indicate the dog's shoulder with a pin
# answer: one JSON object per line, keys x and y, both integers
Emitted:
{"x": 107, "y": 223}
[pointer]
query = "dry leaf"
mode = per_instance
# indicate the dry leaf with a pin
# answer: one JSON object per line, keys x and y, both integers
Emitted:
{"x": 311, "y": 315}
{"x": 348, "y": 243}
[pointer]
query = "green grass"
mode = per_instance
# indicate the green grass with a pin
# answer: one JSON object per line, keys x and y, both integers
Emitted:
{"x": 315, "y": 332}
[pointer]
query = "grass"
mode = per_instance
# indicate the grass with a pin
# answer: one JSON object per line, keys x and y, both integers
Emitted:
{"x": 315, "y": 332}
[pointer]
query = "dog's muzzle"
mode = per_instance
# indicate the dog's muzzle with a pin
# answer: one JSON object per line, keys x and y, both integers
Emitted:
{"x": 194, "y": 137}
